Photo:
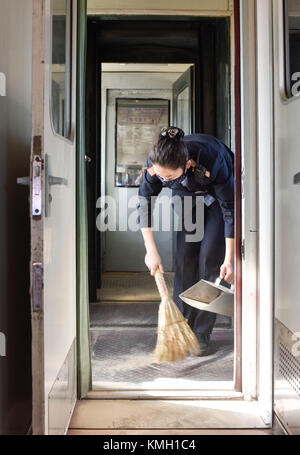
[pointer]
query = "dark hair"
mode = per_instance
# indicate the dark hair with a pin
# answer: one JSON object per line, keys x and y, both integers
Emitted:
{"x": 170, "y": 150}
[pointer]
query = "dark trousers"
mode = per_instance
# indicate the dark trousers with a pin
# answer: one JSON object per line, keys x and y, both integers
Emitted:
{"x": 199, "y": 260}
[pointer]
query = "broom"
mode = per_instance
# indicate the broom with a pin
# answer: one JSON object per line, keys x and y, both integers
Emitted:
{"x": 175, "y": 338}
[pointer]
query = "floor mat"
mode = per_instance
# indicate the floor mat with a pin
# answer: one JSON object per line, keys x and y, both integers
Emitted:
{"x": 123, "y": 356}
{"x": 129, "y": 286}
{"x": 123, "y": 335}
{"x": 129, "y": 314}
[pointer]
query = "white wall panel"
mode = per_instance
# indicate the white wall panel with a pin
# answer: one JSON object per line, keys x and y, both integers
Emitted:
{"x": 287, "y": 195}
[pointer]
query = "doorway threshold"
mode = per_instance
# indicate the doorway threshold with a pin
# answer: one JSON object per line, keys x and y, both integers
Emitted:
{"x": 206, "y": 392}
{"x": 166, "y": 414}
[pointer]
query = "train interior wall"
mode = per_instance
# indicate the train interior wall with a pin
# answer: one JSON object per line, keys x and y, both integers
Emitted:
{"x": 15, "y": 139}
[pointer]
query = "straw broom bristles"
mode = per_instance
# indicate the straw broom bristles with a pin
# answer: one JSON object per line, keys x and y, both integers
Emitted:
{"x": 175, "y": 338}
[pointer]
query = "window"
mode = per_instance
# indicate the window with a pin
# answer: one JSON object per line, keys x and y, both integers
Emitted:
{"x": 139, "y": 122}
{"x": 183, "y": 115}
{"x": 61, "y": 66}
{"x": 292, "y": 47}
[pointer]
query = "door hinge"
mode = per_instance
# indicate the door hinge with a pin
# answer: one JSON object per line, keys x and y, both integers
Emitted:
{"x": 243, "y": 249}
{"x": 37, "y": 286}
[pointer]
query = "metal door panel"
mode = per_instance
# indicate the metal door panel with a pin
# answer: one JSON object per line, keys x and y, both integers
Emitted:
{"x": 53, "y": 281}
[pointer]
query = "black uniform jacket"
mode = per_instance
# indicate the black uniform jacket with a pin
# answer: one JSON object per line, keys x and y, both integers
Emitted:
{"x": 210, "y": 154}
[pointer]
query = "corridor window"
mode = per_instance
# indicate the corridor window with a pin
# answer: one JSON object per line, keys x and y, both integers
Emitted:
{"x": 61, "y": 67}
{"x": 292, "y": 47}
{"x": 138, "y": 124}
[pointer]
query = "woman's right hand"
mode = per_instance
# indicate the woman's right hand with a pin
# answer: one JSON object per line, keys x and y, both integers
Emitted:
{"x": 153, "y": 261}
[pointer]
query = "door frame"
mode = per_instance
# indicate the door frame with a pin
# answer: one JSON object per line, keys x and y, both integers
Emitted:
{"x": 236, "y": 123}
{"x": 258, "y": 210}
{"x": 238, "y": 201}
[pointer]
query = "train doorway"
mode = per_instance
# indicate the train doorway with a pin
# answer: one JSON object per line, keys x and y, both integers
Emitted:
{"x": 141, "y": 85}
{"x": 54, "y": 237}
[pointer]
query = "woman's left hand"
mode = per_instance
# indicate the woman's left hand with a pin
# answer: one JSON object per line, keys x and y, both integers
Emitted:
{"x": 227, "y": 272}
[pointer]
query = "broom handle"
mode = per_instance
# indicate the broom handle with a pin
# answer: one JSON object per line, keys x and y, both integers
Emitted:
{"x": 161, "y": 284}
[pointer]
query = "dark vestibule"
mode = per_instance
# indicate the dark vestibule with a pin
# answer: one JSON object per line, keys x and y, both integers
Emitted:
{"x": 204, "y": 42}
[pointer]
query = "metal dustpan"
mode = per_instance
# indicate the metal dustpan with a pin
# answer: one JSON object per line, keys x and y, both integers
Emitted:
{"x": 215, "y": 297}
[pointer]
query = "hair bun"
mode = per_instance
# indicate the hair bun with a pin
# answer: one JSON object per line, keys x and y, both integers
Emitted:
{"x": 172, "y": 132}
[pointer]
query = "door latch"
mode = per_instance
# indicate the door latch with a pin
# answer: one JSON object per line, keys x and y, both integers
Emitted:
{"x": 36, "y": 185}
{"x": 50, "y": 180}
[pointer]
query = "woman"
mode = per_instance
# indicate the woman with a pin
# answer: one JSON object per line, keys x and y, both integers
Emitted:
{"x": 192, "y": 165}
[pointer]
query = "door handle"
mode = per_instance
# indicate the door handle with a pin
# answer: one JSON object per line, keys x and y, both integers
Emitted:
{"x": 56, "y": 180}
{"x": 50, "y": 180}
{"x": 88, "y": 159}
{"x": 23, "y": 181}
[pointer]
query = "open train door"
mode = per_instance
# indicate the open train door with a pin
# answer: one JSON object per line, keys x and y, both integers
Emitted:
{"x": 53, "y": 215}
{"x": 184, "y": 101}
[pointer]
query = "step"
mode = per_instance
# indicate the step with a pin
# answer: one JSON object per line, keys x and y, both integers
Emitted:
{"x": 167, "y": 414}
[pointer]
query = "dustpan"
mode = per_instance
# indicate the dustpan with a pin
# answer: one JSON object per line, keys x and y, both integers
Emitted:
{"x": 215, "y": 297}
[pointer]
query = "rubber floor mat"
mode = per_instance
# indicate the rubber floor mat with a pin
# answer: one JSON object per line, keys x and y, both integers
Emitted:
{"x": 132, "y": 314}
{"x": 130, "y": 286}
{"x": 122, "y": 356}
